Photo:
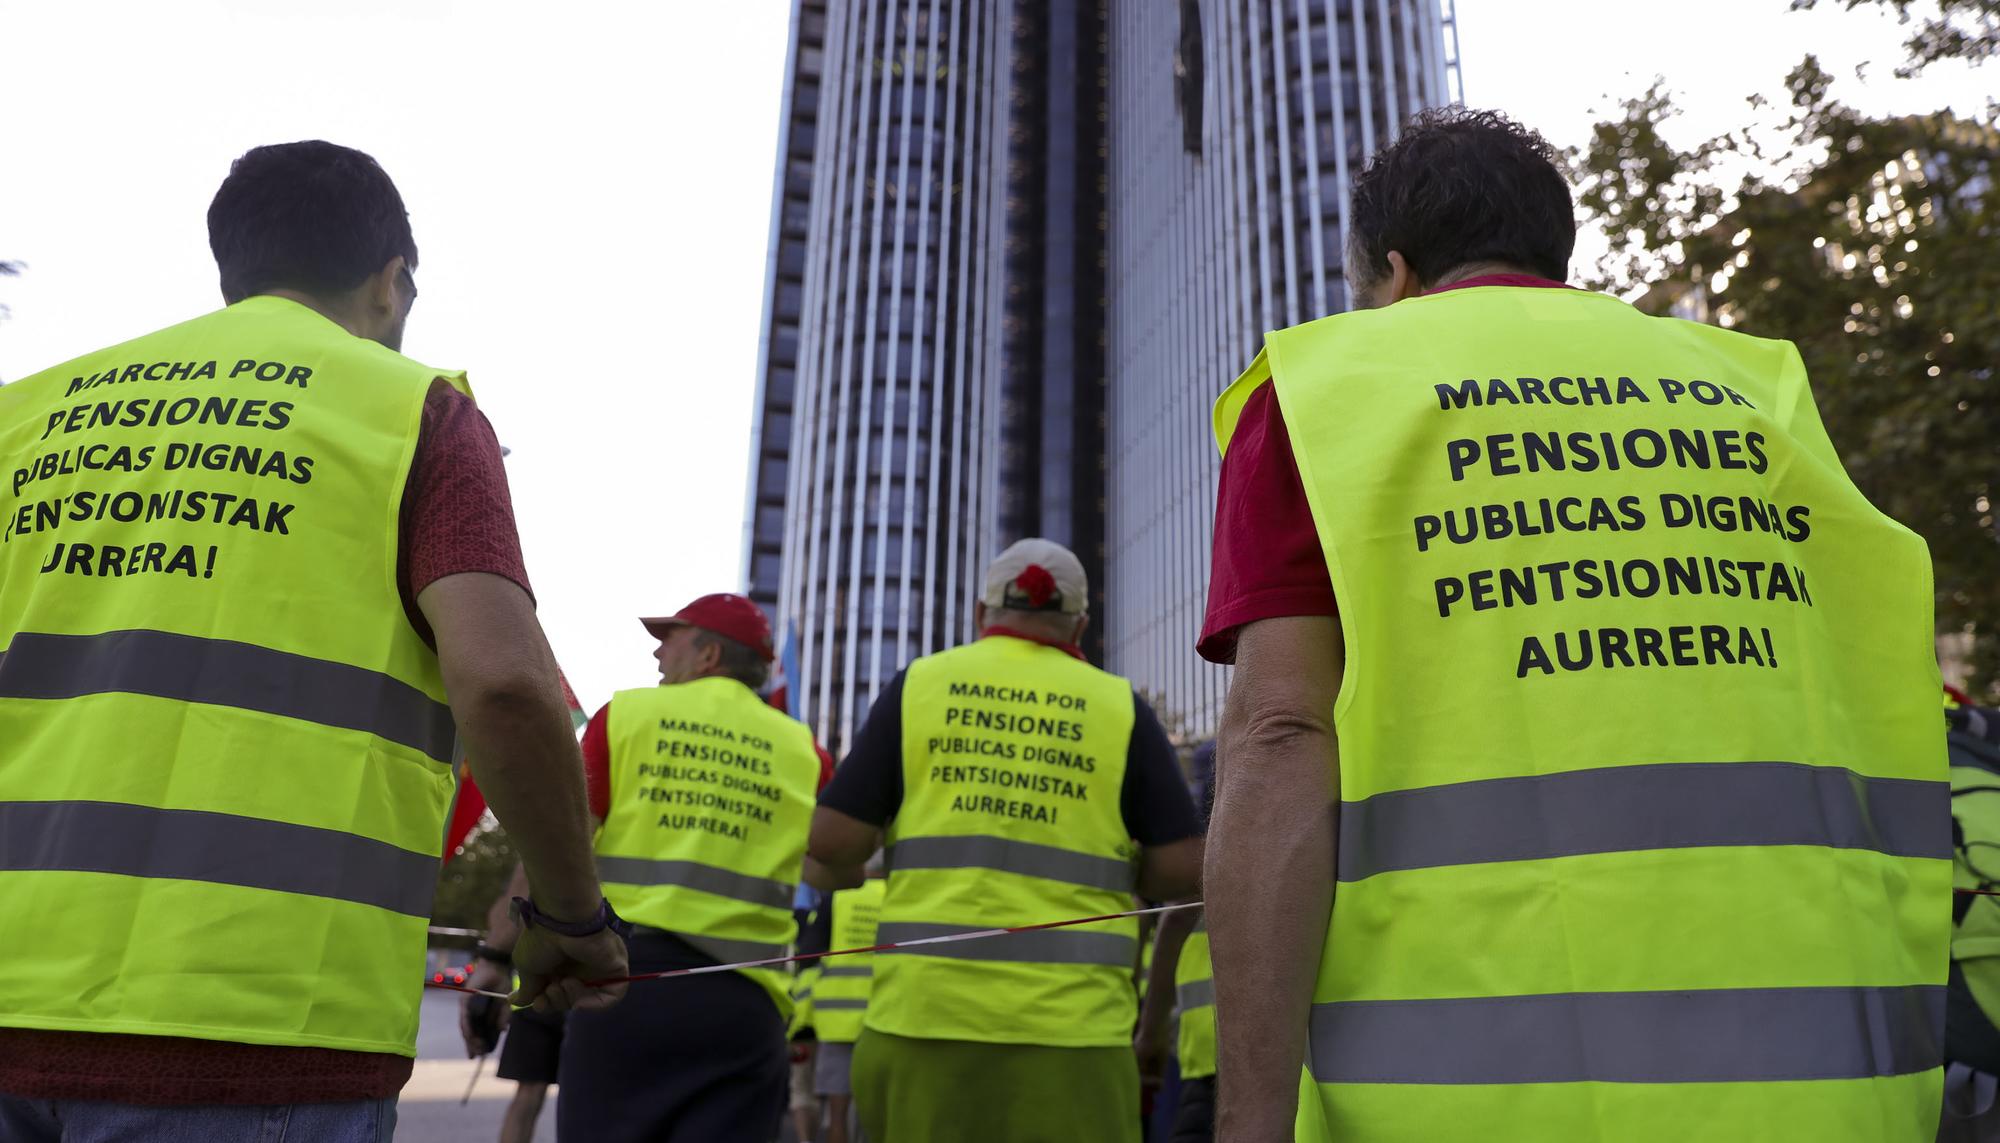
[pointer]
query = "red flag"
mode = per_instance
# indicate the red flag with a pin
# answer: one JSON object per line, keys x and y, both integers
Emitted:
{"x": 471, "y": 804}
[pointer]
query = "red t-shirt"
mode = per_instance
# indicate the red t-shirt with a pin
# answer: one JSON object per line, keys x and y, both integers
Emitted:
{"x": 1267, "y": 561}
{"x": 597, "y": 763}
{"x": 457, "y": 517}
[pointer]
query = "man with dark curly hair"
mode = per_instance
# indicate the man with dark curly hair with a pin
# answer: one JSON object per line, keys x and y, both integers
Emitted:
{"x": 1581, "y": 777}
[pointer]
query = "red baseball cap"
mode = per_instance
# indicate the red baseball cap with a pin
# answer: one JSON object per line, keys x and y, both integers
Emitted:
{"x": 724, "y": 613}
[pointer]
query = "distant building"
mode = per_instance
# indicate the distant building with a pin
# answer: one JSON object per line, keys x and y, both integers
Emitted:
{"x": 1016, "y": 250}
{"x": 1235, "y": 135}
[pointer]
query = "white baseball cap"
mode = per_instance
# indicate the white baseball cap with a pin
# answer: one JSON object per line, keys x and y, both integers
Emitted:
{"x": 1036, "y": 575}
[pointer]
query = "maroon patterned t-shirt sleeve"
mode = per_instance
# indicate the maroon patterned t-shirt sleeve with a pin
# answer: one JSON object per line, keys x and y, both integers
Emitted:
{"x": 458, "y": 515}
{"x": 1267, "y": 560}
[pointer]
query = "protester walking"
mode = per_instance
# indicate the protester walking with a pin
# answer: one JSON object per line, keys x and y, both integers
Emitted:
{"x": 1177, "y": 1012}
{"x": 530, "y": 1042}
{"x": 705, "y": 794}
{"x": 1014, "y": 783}
{"x": 840, "y": 999}
{"x": 259, "y": 569}
{"x": 1567, "y": 650}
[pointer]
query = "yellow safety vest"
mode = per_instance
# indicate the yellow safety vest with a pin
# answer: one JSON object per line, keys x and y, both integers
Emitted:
{"x": 1013, "y": 762}
{"x": 711, "y": 798}
{"x": 842, "y": 995}
{"x": 1644, "y": 825}
{"x": 225, "y": 756}
{"x": 1194, "y": 1000}
{"x": 803, "y": 981}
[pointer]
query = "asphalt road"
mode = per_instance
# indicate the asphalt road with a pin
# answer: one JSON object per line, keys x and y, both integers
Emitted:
{"x": 429, "y": 1110}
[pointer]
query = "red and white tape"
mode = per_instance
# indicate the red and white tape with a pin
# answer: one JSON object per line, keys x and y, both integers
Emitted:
{"x": 977, "y": 934}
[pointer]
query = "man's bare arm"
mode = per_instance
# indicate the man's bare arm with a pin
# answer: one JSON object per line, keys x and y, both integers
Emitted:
{"x": 501, "y": 928}
{"x": 837, "y": 853}
{"x": 1171, "y": 872}
{"x": 505, "y": 695}
{"x": 1157, "y": 1006}
{"x": 1270, "y": 868}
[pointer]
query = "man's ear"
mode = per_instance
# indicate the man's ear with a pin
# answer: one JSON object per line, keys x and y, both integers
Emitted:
{"x": 1402, "y": 280}
{"x": 1082, "y": 625}
{"x": 979, "y": 616}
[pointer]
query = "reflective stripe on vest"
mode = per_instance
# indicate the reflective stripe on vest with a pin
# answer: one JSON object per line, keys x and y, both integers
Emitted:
{"x": 1627, "y": 808}
{"x": 223, "y": 849}
{"x": 847, "y": 982}
{"x": 1049, "y": 862}
{"x": 1014, "y": 758}
{"x": 711, "y": 797}
{"x": 217, "y": 672}
{"x": 1721, "y": 1036}
{"x": 213, "y": 704}
{"x": 1049, "y": 946}
{"x": 1675, "y": 773}
{"x": 1194, "y": 996}
{"x": 694, "y": 875}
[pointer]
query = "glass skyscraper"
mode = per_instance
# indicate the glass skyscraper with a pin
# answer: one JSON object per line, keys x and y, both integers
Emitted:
{"x": 1235, "y": 130}
{"x": 1016, "y": 248}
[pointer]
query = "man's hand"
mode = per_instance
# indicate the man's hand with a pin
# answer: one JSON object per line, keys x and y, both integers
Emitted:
{"x": 506, "y": 697}
{"x": 554, "y": 970}
{"x": 483, "y": 1035}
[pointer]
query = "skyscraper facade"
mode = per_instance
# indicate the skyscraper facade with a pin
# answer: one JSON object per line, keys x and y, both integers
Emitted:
{"x": 1015, "y": 250}
{"x": 1236, "y": 128}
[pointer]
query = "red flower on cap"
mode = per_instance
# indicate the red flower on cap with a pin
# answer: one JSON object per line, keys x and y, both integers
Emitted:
{"x": 1037, "y": 584}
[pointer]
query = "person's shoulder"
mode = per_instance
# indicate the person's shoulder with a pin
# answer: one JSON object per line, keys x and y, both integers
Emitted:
{"x": 633, "y": 696}
{"x": 924, "y": 665}
{"x": 1087, "y": 673}
{"x": 1739, "y": 340}
{"x": 375, "y": 358}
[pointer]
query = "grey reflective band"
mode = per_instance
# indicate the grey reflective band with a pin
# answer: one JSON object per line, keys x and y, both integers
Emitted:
{"x": 1195, "y": 994}
{"x": 694, "y": 875}
{"x": 217, "y": 672}
{"x": 850, "y": 969}
{"x": 1754, "y": 1035}
{"x": 1625, "y": 809}
{"x": 1026, "y": 858}
{"x": 1049, "y": 946}
{"x": 835, "y": 1005}
{"x": 222, "y": 849}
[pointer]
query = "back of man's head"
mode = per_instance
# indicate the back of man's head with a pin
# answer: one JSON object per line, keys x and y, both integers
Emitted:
{"x": 1462, "y": 188}
{"x": 312, "y": 217}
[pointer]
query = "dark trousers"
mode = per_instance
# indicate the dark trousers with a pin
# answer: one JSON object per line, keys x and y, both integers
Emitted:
{"x": 699, "y": 1059}
{"x": 1969, "y": 1036}
{"x": 1195, "y": 1121}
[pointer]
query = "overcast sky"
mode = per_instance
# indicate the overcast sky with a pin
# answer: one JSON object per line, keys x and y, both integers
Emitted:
{"x": 590, "y": 186}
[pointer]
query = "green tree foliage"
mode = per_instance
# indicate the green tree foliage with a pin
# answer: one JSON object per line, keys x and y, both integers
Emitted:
{"x": 472, "y": 880}
{"x": 1872, "y": 243}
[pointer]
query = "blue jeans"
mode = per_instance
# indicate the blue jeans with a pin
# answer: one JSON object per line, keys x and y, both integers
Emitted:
{"x": 88, "y": 1121}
